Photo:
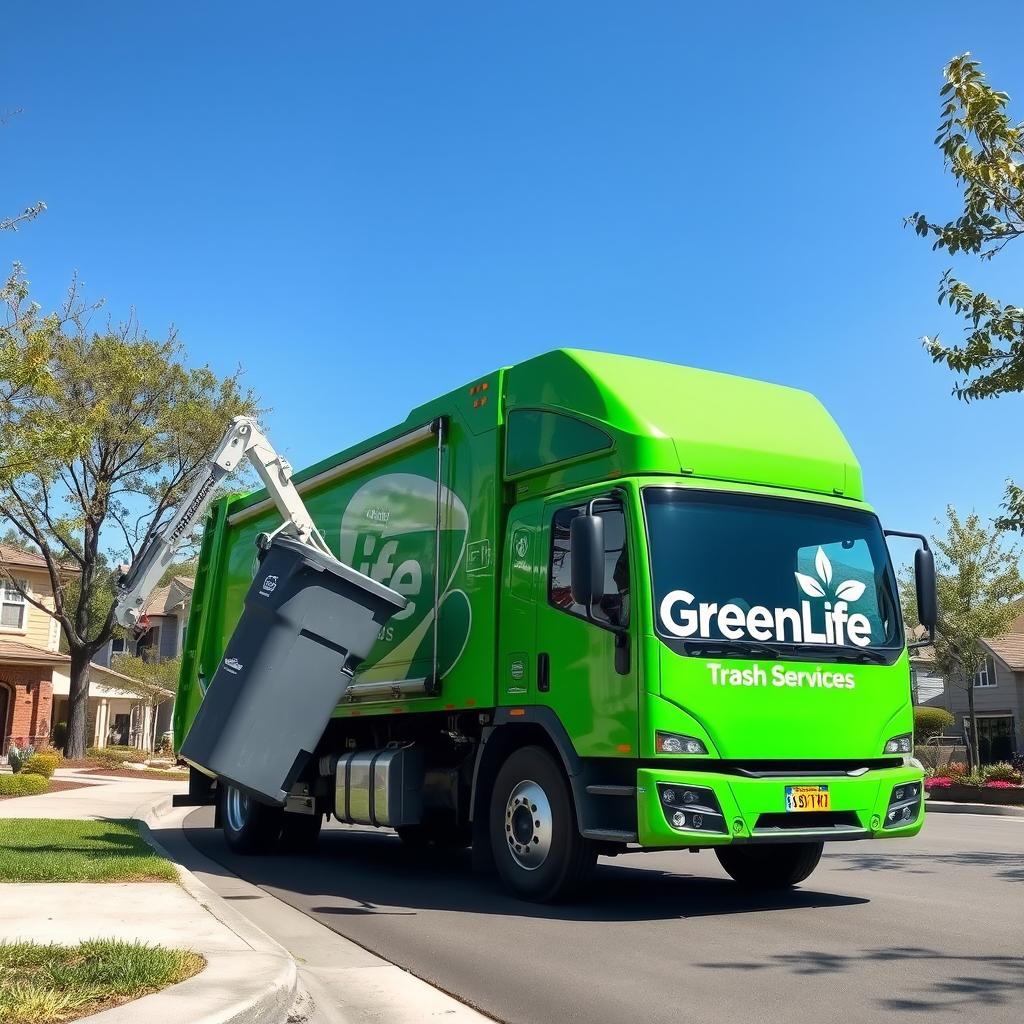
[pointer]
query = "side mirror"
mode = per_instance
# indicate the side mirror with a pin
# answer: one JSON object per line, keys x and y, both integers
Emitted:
{"x": 586, "y": 552}
{"x": 927, "y": 595}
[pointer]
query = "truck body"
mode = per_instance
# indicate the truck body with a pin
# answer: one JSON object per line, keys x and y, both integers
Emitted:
{"x": 735, "y": 677}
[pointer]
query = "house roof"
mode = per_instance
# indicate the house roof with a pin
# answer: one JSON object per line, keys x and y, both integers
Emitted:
{"x": 17, "y": 652}
{"x": 166, "y": 600}
{"x": 19, "y": 558}
{"x": 1009, "y": 649}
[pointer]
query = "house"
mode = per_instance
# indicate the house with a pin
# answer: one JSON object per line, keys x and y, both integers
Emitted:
{"x": 163, "y": 623}
{"x": 35, "y": 675}
{"x": 29, "y": 648}
{"x": 998, "y": 694}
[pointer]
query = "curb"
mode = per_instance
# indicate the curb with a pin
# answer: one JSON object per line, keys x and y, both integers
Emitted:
{"x": 951, "y": 807}
{"x": 212, "y": 996}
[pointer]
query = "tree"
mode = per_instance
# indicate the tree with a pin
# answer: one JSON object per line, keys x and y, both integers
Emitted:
{"x": 102, "y": 432}
{"x": 152, "y": 682}
{"x": 30, "y": 212}
{"x": 979, "y": 584}
{"x": 984, "y": 151}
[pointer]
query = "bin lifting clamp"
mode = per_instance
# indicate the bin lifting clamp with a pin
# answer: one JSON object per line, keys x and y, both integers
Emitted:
{"x": 243, "y": 439}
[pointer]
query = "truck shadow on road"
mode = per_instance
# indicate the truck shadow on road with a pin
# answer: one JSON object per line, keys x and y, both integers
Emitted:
{"x": 356, "y": 874}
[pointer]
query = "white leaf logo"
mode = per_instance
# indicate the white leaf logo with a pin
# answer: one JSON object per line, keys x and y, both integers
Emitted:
{"x": 851, "y": 590}
{"x": 809, "y": 585}
{"x": 823, "y": 567}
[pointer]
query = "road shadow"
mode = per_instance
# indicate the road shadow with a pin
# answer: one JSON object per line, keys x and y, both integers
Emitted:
{"x": 966, "y": 982}
{"x": 1006, "y": 866}
{"x": 362, "y": 873}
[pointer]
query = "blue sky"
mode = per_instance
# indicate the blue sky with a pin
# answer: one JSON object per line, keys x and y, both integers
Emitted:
{"x": 369, "y": 204}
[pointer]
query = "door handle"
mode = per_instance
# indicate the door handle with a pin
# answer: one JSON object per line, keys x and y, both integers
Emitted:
{"x": 543, "y": 672}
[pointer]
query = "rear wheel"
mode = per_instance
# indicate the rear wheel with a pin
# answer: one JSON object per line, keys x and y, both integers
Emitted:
{"x": 776, "y": 866}
{"x": 249, "y": 826}
{"x": 538, "y": 849}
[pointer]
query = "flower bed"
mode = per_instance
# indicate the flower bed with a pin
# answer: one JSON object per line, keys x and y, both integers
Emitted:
{"x": 992, "y": 792}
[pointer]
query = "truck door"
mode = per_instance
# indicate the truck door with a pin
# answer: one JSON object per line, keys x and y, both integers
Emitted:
{"x": 586, "y": 659}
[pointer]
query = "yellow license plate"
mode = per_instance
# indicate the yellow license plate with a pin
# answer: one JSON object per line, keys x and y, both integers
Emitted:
{"x": 807, "y": 798}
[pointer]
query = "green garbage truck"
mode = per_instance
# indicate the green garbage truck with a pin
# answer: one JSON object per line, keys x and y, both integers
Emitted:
{"x": 646, "y": 607}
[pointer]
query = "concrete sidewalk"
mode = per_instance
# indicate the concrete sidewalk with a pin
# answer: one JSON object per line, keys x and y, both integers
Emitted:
{"x": 249, "y": 978}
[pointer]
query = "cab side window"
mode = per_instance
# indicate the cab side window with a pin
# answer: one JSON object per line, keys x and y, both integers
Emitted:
{"x": 613, "y": 608}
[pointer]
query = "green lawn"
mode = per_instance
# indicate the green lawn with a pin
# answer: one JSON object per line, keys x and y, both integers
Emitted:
{"x": 51, "y": 984}
{"x": 48, "y": 850}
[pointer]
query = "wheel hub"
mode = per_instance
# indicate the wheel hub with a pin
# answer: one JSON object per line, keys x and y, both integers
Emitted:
{"x": 528, "y": 825}
{"x": 237, "y": 808}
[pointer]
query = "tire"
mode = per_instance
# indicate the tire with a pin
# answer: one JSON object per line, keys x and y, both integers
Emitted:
{"x": 775, "y": 866}
{"x": 300, "y": 832}
{"x": 249, "y": 826}
{"x": 538, "y": 850}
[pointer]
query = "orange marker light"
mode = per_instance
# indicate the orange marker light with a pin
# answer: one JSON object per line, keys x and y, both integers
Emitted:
{"x": 517, "y": 712}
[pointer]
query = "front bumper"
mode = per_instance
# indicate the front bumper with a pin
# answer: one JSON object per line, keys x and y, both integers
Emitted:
{"x": 754, "y": 808}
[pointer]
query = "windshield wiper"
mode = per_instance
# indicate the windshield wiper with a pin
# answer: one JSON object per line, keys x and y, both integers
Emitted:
{"x": 840, "y": 652}
{"x": 731, "y": 648}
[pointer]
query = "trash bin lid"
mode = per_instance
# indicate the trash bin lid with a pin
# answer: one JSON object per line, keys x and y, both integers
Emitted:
{"x": 328, "y": 563}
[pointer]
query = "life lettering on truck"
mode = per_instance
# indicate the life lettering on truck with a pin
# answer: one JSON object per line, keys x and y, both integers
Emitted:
{"x": 629, "y": 605}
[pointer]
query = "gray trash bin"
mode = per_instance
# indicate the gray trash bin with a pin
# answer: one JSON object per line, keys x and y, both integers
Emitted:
{"x": 308, "y": 621}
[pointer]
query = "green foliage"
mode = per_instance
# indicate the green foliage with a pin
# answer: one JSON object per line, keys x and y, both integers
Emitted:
{"x": 50, "y": 850}
{"x": 42, "y": 764}
{"x": 17, "y": 756}
{"x": 983, "y": 149}
{"x": 60, "y": 735}
{"x": 157, "y": 681}
{"x": 979, "y": 584}
{"x": 1002, "y": 772}
{"x": 23, "y": 785}
{"x": 51, "y": 984}
{"x": 930, "y": 722}
{"x": 101, "y": 434}
{"x": 116, "y": 755}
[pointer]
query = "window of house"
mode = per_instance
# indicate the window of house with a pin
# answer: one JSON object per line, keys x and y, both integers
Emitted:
{"x": 118, "y": 645}
{"x": 986, "y": 675}
{"x": 12, "y": 604}
{"x": 613, "y": 608}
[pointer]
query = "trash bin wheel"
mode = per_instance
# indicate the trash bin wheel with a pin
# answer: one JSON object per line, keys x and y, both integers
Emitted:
{"x": 249, "y": 826}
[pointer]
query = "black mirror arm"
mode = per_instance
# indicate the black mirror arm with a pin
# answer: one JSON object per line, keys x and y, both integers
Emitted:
{"x": 923, "y": 540}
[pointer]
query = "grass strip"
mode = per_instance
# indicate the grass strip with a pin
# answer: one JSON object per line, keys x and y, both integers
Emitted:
{"x": 51, "y": 984}
{"x": 51, "y": 850}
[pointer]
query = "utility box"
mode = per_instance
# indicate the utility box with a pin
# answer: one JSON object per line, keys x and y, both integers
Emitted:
{"x": 308, "y": 621}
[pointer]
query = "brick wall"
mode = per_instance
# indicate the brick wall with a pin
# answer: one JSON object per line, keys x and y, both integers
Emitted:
{"x": 29, "y": 706}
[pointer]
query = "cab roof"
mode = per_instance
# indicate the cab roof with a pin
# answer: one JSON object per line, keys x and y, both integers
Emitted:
{"x": 669, "y": 419}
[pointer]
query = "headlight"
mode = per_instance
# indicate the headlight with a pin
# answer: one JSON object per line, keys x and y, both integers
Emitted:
{"x": 899, "y": 745}
{"x": 673, "y": 743}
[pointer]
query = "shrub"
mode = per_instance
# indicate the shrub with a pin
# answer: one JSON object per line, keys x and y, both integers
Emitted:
{"x": 975, "y": 778}
{"x": 60, "y": 735}
{"x": 956, "y": 770}
{"x": 17, "y": 756}
{"x": 44, "y": 764}
{"x": 1002, "y": 772}
{"x": 23, "y": 785}
{"x": 1017, "y": 761}
{"x": 937, "y": 782}
{"x": 116, "y": 756}
{"x": 931, "y": 722}
{"x": 999, "y": 784}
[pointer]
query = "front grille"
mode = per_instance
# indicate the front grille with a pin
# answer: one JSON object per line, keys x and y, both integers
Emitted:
{"x": 807, "y": 821}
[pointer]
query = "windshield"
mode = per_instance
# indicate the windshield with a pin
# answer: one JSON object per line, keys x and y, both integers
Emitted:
{"x": 746, "y": 575}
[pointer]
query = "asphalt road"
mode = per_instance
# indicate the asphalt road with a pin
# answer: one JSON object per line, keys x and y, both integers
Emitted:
{"x": 927, "y": 929}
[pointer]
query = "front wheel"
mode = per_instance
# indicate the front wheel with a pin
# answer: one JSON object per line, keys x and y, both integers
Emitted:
{"x": 775, "y": 866}
{"x": 537, "y": 846}
{"x": 249, "y": 826}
